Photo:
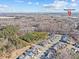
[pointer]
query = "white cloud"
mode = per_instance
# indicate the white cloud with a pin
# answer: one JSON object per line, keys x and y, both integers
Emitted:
{"x": 3, "y": 7}
{"x": 74, "y": 4}
{"x": 20, "y": 1}
{"x": 73, "y": 0}
{"x": 37, "y": 3}
{"x": 30, "y": 3}
{"x": 60, "y": 4}
{"x": 56, "y": 5}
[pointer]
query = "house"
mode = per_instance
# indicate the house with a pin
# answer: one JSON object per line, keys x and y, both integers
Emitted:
{"x": 75, "y": 49}
{"x": 76, "y": 45}
{"x": 64, "y": 38}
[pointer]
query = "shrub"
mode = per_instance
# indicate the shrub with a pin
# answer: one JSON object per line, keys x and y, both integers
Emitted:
{"x": 34, "y": 36}
{"x": 10, "y": 40}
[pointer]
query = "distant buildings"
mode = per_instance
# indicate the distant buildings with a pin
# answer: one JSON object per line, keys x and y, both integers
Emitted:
{"x": 47, "y": 23}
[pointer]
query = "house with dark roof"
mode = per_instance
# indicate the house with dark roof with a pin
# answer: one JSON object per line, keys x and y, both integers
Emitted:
{"x": 64, "y": 38}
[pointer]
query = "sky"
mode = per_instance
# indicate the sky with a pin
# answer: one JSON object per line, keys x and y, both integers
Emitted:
{"x": 38, "y": 5}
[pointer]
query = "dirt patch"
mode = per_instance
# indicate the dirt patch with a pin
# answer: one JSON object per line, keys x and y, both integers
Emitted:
{"x": 15, "y": 53}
